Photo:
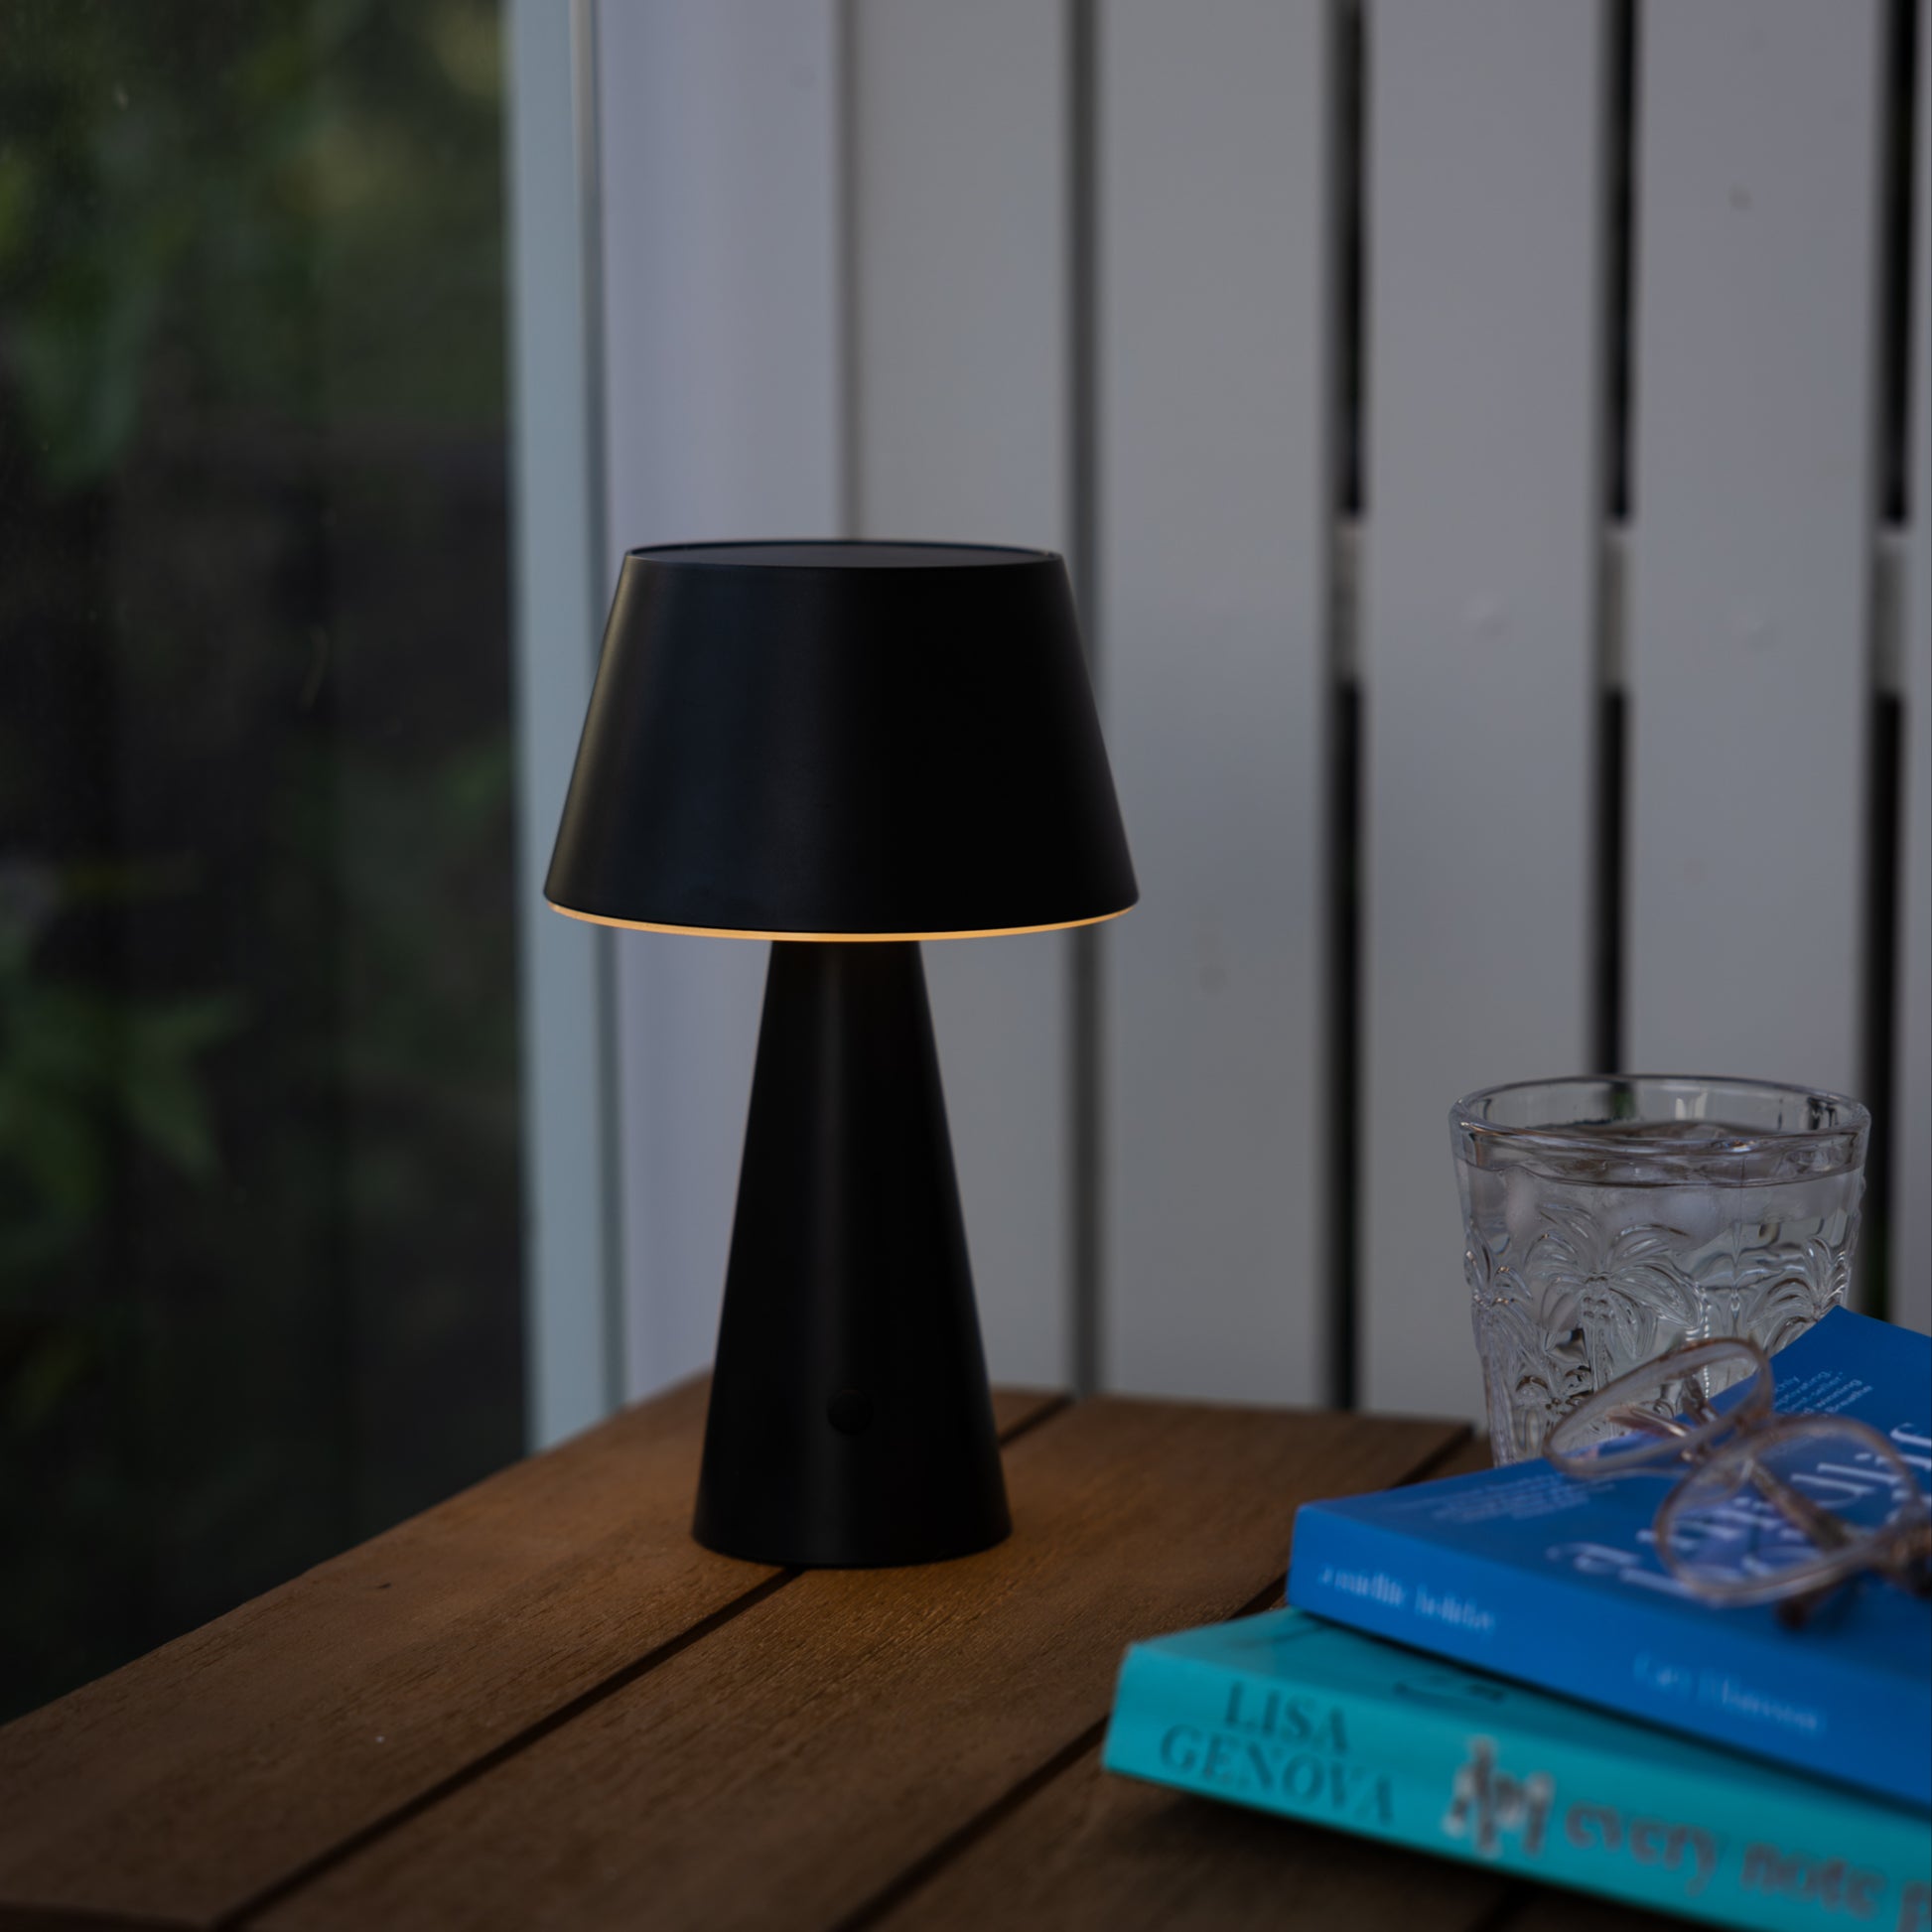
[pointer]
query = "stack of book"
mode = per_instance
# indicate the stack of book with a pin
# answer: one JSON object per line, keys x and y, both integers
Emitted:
{"x": 1497, "y": 1668}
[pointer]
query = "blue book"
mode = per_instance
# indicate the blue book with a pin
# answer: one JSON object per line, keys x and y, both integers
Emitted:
{"x": 1287, "y": 1713}
{"x": 1523, "y": 1572}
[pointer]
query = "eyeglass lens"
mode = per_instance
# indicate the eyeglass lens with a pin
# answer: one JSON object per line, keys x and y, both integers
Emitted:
{"x": 1802, "y": 1496}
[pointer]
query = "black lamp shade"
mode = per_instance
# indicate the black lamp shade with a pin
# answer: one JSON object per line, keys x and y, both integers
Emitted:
{"x": 842, "y": 741}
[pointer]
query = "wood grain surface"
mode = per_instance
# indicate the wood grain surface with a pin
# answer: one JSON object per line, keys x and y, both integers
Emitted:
{"x": 206, "y": 1774}
{"x": 792, "y": 1767}
{"x": 1541, "y": 1911}
{"x": 1088, "y": 1849}
{"x": 1094, "y": 1852}
{"x": 1466, "y": 1457}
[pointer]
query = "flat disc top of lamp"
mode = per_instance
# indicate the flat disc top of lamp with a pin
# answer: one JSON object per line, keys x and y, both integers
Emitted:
{"x": 813, "y": 554}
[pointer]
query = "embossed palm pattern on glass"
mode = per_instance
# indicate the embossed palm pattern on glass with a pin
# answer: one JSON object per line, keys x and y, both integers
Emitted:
{"x": 1610, "y": 1219}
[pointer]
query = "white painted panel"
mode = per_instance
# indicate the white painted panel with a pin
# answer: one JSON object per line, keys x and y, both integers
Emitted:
{"x": 1749, "y": 556}
{"x": 958, "y": 137}
{"x": 570, "y": 1269}
{"x": 1912, "y": 1164}
{"x": 1213, "y": 244}
{"x": 720, "y": 214}
{"x": 1477, "y": 642}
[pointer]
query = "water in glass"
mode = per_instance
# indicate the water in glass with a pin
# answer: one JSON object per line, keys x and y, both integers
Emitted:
{"x": 1599, "y": 1234}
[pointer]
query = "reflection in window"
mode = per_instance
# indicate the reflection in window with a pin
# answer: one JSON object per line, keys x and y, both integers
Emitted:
{"x": 258, "y": 1165}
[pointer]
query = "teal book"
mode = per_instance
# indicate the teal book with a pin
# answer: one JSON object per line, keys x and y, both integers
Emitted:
{"x": 1287, "y": 1713}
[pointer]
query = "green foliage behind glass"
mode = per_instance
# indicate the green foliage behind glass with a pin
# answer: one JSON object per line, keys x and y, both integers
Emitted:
{"x": 258, "y": 1180}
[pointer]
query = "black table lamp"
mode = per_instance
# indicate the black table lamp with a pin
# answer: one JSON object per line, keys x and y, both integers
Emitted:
{"x": 844, "y": 748}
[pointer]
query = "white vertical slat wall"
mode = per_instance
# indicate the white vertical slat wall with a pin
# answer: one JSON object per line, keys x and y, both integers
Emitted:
{"x": 569, "y": 1099}
{"x": 844, "y": 243}
{"x": 1215, "y": 239}
{"x": 1911, "y": 1271}
{"x": 723, "y": 317}
{"x": 1477, "y": 644}
{"x": 1751, "y": 544}
{"x": 959, "y": 420}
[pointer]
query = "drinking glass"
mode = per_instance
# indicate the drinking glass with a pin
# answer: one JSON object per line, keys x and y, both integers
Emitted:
{"x": 1609, "y": 1218}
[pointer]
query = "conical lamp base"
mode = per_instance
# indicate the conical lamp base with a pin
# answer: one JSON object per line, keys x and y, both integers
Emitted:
{"x": 850, "y": 1420}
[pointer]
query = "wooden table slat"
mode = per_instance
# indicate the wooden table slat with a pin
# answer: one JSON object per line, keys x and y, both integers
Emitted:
{"x": 788, "y": 1770}
{"x": 1089, "y": 1849}
{"x": 1541, "y": 1909}
{"x": 1464, "y": 1459}
{"x": 1095, "y": 1853}
{"x": 200, "y": 1776}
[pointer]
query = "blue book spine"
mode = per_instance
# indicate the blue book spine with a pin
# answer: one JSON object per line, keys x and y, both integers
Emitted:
{"x": 1709, "y": 1675}
{"x": 1408, "y": 1762}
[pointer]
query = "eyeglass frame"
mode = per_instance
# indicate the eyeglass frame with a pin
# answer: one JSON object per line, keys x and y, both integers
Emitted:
{"x": 1898, "y": 1549}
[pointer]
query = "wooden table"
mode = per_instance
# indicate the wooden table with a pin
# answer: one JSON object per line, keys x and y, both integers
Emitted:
{"x": 541, "y": 1705}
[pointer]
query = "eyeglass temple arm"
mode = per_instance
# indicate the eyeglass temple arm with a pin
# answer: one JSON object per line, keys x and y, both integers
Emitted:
{"x": 1911, "y": 1554}
{"x": 1645, "y": 1423}
{"x": 1697, "y": 1407}
{"x": 1903, "y": 1558}
{"x": 1827, "y": 1531}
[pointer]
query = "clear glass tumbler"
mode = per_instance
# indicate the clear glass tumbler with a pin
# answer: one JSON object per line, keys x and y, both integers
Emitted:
{"x": 1608, "y": 1219}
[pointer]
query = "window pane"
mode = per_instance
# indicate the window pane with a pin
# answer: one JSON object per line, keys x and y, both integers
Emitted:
{"x": 259, "y": 1240}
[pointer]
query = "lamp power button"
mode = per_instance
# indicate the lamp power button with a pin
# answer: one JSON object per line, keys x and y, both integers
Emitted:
{"x": 850, "y": 1411}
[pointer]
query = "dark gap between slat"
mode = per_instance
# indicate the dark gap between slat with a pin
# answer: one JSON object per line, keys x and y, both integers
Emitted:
{"x": 1882, "y": 937}
{"x": 511, "y": 1746}
{"x": 1880, "y": 933}
{"x": 1349, "y": 186}
{"x": 609, "y": 1108}
{"x": 1609, "y": 811}
{"x": 1056, "y": 1405}
{"x": 1616, "y": 419}
{"x": 1086, "y": 1257}
{"x": 1517, "y": 1901}
{"x": 609, "y": 1097}
{"x": 533, "y": 1733}
{"x": 888, "y": 1898}
{"x": 851, "y": 396}
{"x": 1433, "y": 1462}
{"x": 1619, "y": 258}
{"x": 1345, "y": 725}
{"x": 1342, "y": 1055}
{"x": 1898, "y": 217}
{"x": 1086, "y": 1237}
{"x": 923, "y": 1871}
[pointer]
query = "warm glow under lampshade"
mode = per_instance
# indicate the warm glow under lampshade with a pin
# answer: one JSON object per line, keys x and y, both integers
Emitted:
{"x": 842, "y": 741}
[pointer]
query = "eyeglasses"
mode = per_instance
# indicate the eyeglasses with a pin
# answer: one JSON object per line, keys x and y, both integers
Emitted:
{"x": 1773, "y": 1509}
